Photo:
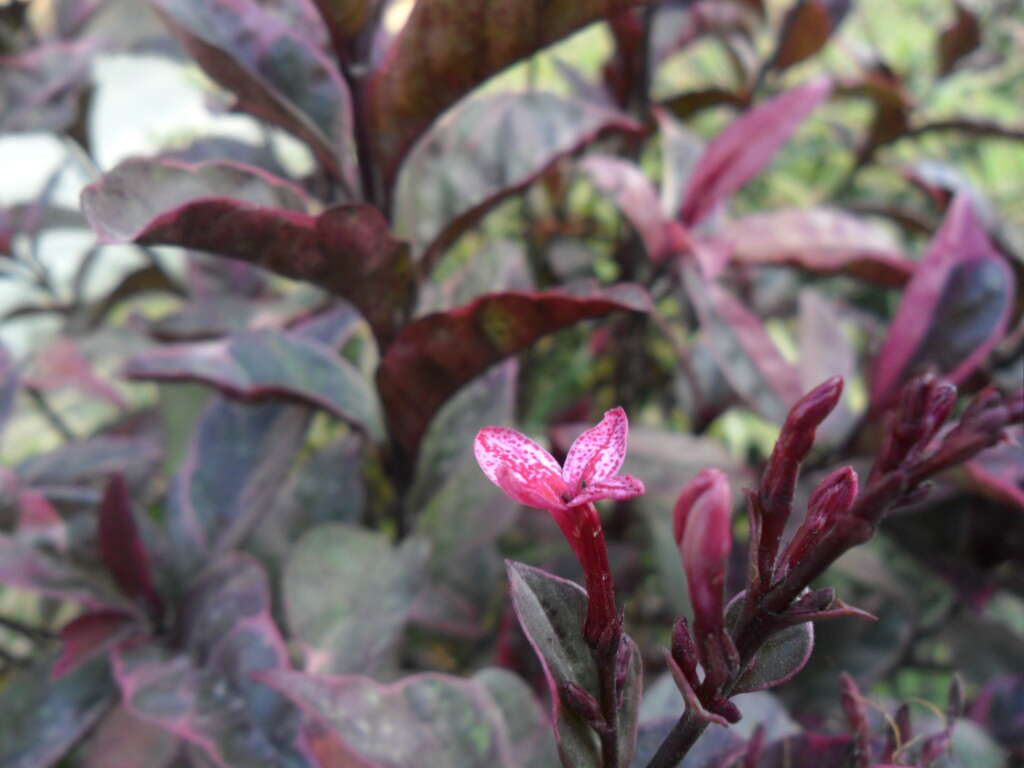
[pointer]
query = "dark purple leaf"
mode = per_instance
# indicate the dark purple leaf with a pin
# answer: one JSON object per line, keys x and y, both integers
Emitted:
{"x": 635, "y": 196}
{"x": 425, "y": 719}
{"x": 821, "y": 240}
{"x": 550, "y": 611}
{"x": 260, "y": 364}
{"x": 749, "y": 359}
{"x": 807, "y": 27}
{"x": 275, "y": 72}
{"x": 746, "y": 146}
{"x": 125, "y": 741}
{"x": 961, "y": 37}
{"x": 356, "y": 626}
{"x": 41, "y": 719}
{"x": 485, "y": 150}
{"x": 246, "y": 214}
{"x": 90, "y": 635}
{"x": 424, "y": 69}
{"x": 346, "y": 18}
{"x": 207, "y": 693}
{"x": 41, "y": 89}
{"x": 779, "y": 659}
{"x": 435, "y": 355}
{"x": 121, "y": 546}
{"x": 999, "y": 471}
{"x": 954, "y": 310}
{"x": 234, "y": 467}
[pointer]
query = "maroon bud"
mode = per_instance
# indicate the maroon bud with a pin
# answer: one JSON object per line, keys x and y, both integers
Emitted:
{"x": 831, "y": 500}
{"x": 857, "y": 716}
{"x": 935, "y": 746}
{"x": 122, "y": 549}
{"x": 925, "y": 405}
{"x": 693, "y": 490}
{"x": 726, "y": 709}
{"x": 778, "y": 483}
{"x": 705, "y": 545}
{"x": 582, "y": 703}
{"x": 684, "y": 651}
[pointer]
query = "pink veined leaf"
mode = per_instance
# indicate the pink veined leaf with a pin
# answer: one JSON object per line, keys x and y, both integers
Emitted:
{"x": 744, "y": 148}
{"x": 954, "y": 310}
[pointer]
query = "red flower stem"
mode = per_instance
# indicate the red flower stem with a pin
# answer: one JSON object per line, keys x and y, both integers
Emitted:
{"x": 582, "y": 527}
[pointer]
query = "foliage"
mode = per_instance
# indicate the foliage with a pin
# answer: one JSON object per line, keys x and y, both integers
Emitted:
{"x": 243, "y": 520}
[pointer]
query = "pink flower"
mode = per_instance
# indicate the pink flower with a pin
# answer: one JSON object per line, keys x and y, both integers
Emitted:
{"x": 530, "y": 475}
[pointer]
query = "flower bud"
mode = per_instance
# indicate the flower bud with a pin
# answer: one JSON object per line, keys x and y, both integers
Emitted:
{"x": 684, "y": 652}
{"x": 778, "y": 483}
{"x": 830, "y": 501}
{"x": 924, "y": 406}
{"x": 581, "y": 703}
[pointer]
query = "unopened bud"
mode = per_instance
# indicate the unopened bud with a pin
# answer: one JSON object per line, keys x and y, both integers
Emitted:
{"x": 925, "y": 404}
{"x": 935, "y": 746}
{"x": 726, "y": 709}
{"x": 778, "y": 483}
{"x": 830, "y": 501}
{"x": 692, "y": 491}
{"x": 853, "y": 706}
{"x": 684, "y": 651}
{"x": 705, "y": 545}
{"x": 582, "y": 703}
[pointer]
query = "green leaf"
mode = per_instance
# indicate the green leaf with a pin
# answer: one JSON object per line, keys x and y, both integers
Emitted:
{"x": 357, "y": 624}
{"x": 781, "y": 656}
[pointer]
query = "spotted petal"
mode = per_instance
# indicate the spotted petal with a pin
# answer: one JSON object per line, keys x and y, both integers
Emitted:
{"x": 520, "y": 467}
{"x": 598, "y": 453}
{"x": 620, "y": 488}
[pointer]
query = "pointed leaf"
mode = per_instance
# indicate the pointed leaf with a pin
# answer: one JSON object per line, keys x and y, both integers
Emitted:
{"x": 551, "y": 611}
{"x": 425, "y": 719}
{"x": 465, "y": 572}
{"x": 635, "y": 197}
{"x": 435, "y": 355}
{"x": 746, "y": 146}
{"x": 808, "y": 26}
{"x": 820, "y": 240}
{"x": 424, "y": 70}
{"x": 89, "y": 460}
{"x": 265, "y": 363}
{"x": 207, "y": 694}
{"x": 749, "y": 359}
{"x": 239, "y": 455}
{"x": 954, "y": 310}
{"x": 41, "y": 718}
{"x": 960, "y": 38}
{"x": 355, "y": 626}
{"x": 90, "y": 635}
{"x": 62, "y": 365}
{"x": 780, "y": 657}
{"x": 125, "y": 741}
{"x": 275, "y": 72}
{"x": 247, "y": 214}
{"x": 121, "y": 547}
{"x": 484, "y": 151}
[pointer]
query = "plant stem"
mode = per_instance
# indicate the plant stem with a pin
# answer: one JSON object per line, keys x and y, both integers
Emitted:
{"x": 609, "y": 709}
{"x": 50, "y": 414}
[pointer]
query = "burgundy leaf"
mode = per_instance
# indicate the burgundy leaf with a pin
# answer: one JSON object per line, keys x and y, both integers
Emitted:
{"x": 41, "y": 89}
{"x": 953, "y": 311}
{"x": 807, "y": 27}
{"x": 121, "y": 546}
{"x": 345, "y": 19}
{"x": 62, "y": 365}
{"x": 747, "y": 355}
{"x": 90, "y": 635}
{"x": 265, "y": 363}
{"x": 999, "y": 471}
{"x": 435, "y": 355}
{"x": 635, "y": 196}
{"x": 247, "y": 214}
{"x": 821, "y": 240}
{"x": 485, "y": 150}
{"x": 961, "y": 37}
{"x": 275, "y": 73}
{"x": 746, "y": 146}
{"x": 425, "y": 69}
